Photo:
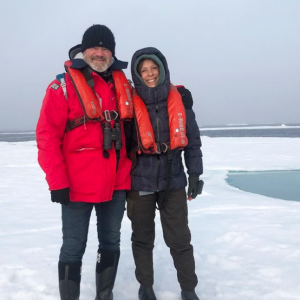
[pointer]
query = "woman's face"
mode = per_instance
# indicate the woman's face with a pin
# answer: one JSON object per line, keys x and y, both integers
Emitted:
{"x": 149, "y": 72}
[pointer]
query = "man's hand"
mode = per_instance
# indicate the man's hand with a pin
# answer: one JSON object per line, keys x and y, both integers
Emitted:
{"x": 195, "y": 187}
{"x": 61, "y": 196}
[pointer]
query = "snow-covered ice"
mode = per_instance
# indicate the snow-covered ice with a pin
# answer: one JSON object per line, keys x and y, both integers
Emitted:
{"x": 247, "y": 246}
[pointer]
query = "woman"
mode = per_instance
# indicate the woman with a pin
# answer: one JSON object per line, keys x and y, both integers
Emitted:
{"x": 163, "y": 128}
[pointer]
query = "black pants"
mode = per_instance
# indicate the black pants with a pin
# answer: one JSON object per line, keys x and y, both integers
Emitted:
{"x": 177, "y": 236}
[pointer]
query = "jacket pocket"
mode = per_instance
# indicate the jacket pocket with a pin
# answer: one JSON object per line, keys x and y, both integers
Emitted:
{"x": 86, "y": 149}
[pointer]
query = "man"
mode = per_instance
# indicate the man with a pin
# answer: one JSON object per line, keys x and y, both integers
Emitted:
{"x": 80, "y": 138}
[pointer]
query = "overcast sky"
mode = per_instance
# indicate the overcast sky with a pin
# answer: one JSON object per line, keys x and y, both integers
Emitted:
{"x": 239, "y": 58}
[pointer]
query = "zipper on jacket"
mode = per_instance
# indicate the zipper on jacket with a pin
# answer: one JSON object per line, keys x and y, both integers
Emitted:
{"x": 157, "y": 123}
{"x": 157, "y": 140}
{"x": 158, "y": 167}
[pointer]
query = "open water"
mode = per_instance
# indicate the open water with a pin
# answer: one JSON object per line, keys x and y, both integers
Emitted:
{"x": 276, "y": 184}
{"x": 276, "y": 131}
{"x": 24, "y": 136}
{"x": 286, "y": 133}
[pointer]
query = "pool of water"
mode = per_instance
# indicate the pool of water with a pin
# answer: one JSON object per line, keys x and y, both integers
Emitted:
{"x": 276, "y": 184}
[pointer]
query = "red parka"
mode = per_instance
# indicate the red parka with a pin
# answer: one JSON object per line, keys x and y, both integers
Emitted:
{"x": 75, "y": 159}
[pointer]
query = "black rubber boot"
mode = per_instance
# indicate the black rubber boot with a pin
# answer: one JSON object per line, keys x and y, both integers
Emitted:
{"x": 106, "y": 271}
{"x": 69, "y": 280}
{"x": 146, "y": 293}
{"x": 189, "y": 295}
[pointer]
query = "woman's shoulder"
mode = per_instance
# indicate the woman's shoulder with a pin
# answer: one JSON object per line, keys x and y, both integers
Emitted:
{"x": 186, "y": 96}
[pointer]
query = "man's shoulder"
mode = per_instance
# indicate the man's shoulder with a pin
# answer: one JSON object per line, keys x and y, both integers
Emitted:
{"x": 57, "y": 82}
{"x": 54, "y": 85}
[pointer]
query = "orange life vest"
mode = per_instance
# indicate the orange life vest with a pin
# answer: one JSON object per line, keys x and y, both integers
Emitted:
{"x": 89, "y": 101}
{"x": 177, "y": 124}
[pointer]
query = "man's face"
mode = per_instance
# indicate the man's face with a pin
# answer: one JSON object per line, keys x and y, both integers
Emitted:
{"x": 98, "y": 58}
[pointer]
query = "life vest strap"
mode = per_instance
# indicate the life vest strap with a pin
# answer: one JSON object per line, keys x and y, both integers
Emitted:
{"x": 71, "y": 124}
{"x": 88, "y": 77}
{"x": 110, "y": 115}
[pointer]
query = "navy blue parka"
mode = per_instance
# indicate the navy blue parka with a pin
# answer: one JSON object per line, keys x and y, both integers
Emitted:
{"x": 151, "y": 171}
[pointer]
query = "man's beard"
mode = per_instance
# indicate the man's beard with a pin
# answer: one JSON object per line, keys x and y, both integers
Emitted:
{"x": 98, "y": 63}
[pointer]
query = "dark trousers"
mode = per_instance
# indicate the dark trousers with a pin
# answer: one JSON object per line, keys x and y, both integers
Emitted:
{"x": 141, "y": 211}
{"x": 76, "y": 220}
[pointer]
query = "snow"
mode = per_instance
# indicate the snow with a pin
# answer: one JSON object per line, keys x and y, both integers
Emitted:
{"x": 246, "y": 246}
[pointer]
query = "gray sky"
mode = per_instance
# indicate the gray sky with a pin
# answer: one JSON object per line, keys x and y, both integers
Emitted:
{"x": 239, "y": 58}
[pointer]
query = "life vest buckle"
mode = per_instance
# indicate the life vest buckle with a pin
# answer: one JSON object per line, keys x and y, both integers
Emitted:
{"x": 158, "y": 150}
{"x": 110, "y": 115}
{"x": 164, "y": 147}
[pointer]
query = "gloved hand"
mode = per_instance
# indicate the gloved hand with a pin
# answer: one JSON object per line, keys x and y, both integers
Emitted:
{"x": 61, "y": 196}
{"x": 187, "y": 98}
{"x": 195, "y": 187}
